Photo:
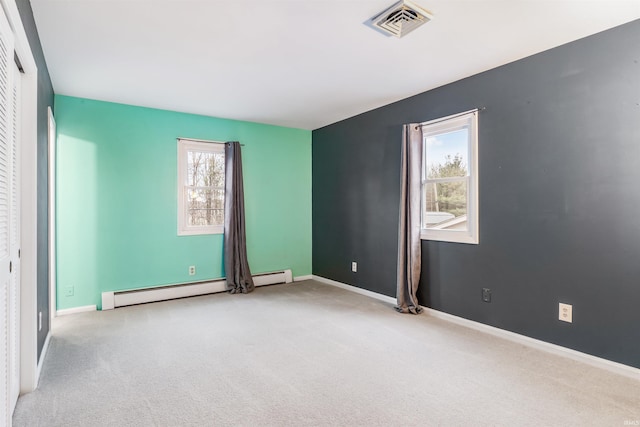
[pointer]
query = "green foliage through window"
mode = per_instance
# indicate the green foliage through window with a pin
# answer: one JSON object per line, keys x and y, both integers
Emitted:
{"x": 449, "y": 197}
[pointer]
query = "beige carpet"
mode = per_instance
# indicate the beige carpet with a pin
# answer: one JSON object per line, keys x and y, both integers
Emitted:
{"x": 307, "y": 354}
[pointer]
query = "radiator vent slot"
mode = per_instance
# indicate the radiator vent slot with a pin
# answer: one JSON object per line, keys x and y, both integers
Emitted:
{"x": 400, "y": 19}
{"x": 111, "y": 300}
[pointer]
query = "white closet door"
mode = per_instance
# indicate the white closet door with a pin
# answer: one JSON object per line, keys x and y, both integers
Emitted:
{"x": 14, "y": 249}
{"x": 6, "y": 171}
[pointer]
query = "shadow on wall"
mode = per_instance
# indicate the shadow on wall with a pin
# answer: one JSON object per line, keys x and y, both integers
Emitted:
{"x": 77, "y": 219}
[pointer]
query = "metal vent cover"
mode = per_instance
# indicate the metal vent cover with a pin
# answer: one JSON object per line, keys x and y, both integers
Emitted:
{"x": 400, "y": 19}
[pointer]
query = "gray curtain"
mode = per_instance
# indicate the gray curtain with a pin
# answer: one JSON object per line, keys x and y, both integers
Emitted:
{"x": 409, "y": 252}
{"x": 236, "y": 264}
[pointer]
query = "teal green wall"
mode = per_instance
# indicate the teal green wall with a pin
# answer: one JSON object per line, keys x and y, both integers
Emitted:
{"x": 117, "y": 199}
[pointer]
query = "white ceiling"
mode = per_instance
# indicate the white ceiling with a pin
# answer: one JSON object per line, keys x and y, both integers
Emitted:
{"x": 298, "y": 63}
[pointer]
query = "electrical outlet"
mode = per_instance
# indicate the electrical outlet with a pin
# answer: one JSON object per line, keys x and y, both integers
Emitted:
{"x": 39, "y": 321}
{"x": 486, "y": 294}
{"x": 192, "y": 270}
{"x": 69, "y": 291}
{"x": 565, "y": 312}
{"x": 354, "y": 266}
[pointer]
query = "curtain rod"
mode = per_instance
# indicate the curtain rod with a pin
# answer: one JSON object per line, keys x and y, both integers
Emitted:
{"x": 453, "y": 116}
{"x": 204, "y": 140}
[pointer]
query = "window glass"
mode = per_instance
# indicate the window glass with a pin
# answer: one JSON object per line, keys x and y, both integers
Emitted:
{"x": 205, "y": 188}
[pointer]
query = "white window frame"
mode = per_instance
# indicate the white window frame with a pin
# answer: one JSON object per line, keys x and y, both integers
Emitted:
{"x": 184, "y": 146}
{"x": 444, "y": 125}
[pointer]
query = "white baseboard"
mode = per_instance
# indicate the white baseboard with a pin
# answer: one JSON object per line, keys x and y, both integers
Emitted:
{"x": 356, "y": 289}
{"x": 43, "y": 354}
{"x": 75, "y": 310}
{"x": 598, "y": 362}
{"x": 301, "y": 278}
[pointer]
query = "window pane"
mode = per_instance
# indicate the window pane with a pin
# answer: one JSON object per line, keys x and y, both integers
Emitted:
{"x": 205, "y": 206}
{"x": 445, "y": 205}
{"x": 201, "y": 217}
{"x": 205, "y": 169}
{"x": 447, "y": 154}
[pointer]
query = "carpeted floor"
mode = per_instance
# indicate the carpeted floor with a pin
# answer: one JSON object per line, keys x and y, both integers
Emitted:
{"x": 307, "y": 354}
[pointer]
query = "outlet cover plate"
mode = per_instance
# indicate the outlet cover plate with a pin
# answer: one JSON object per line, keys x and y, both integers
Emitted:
{"x": 192, "y": 270}
{"x": 565, "y": 312}
{"x": 486, "y": 294}
{"x": 354, "y": 266}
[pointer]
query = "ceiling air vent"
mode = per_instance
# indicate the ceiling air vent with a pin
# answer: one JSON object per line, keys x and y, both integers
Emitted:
{"x": 400, "y": 19}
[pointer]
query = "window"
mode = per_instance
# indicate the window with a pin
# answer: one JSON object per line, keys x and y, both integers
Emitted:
{"x": 450, "y": 179}
{"x": 201, "y": 172}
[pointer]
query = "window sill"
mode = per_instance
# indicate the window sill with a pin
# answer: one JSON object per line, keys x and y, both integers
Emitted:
{"x": 450, "y": 237}
{"x": 196, "y": 231}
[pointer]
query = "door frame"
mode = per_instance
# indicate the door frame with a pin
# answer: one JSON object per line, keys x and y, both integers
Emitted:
{"x": 51, "y": 132}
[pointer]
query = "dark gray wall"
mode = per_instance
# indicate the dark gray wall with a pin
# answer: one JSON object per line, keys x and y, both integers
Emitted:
{"x": 45, "y": 99}
{"x": 559, "y": 162}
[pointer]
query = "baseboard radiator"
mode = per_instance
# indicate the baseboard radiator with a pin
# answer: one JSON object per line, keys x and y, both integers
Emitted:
{"x": 111, "y": 300}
